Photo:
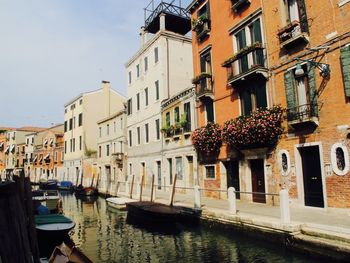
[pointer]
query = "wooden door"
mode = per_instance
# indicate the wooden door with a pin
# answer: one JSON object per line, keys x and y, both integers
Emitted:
{"x": 312, "y": 176}
{"x": 258, "y": 180}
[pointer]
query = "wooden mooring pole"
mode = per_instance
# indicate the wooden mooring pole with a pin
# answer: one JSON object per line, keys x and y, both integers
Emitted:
{"x": 132, "y": 185}
{"x": 173, "y": 191}
{"x": 152, "y": 187}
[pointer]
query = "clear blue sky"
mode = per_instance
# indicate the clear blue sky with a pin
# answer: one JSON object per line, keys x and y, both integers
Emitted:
{"x": 52, "y": 50}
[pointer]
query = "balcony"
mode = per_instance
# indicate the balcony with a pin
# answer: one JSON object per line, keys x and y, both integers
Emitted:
{"x": 204, "y": 85}
{"x": 239, "y": 5}
{"x": 118, "y": 157}
{"x": 303, "y": 116}
{"x": 291, "y": 35}
{"x": 247, "y": 63}
{"x": 201, "y": 26}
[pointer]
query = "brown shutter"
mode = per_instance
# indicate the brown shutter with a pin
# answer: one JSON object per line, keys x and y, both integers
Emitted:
{"x": 303, "y": 16}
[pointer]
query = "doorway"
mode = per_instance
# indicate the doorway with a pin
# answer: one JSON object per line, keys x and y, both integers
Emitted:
{"x": 159, "y": 175}
{"x": 190, "y": 170}
{"x": 232, "y": 173}
{"x": 170, "y": 162}
{"x": 258, "y": 180}
{"x": 108, "y": 177}
{"x": 312, "y": 176}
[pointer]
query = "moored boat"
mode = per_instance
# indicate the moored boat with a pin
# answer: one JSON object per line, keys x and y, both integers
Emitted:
{"x": 86, "y": 191}
{"x": 57, "y": 224}
{"x": 118, "y": 202}
{"x": 50, "y": 184}
{"x": 161, "y": 213}
{"x": 65, "y": 253}
{"x": 65, "y": 186}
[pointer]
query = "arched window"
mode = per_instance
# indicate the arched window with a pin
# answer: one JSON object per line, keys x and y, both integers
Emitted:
{"x": 340, "y": 159}
{"x": 284, "y": 162}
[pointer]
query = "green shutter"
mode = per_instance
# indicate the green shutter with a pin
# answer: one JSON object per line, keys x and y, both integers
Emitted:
{"x": 345, "y": 63}
{"x": 260, "y": 93}
{"x": 289, "y": 85}
{"x": 312, "y": 89}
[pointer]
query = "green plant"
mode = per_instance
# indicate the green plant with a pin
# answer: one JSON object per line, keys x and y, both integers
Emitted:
{"x": 183, "y": 119}
{"x": 201, "y": 76}
{"x": 207, "y": 139}
{"x": 199, "y": 21}
{"x": 242, "y": 52}
{"x": 90, "y": 153}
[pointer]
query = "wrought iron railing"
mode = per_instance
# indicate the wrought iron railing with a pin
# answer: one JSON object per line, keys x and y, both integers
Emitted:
{"x": 302, "y": 112}
{"x": 204, "y": 86}
{"x": 252, "y": 59}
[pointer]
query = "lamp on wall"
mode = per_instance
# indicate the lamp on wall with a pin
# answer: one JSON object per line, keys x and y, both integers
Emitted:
{"x": 325, "y": 70}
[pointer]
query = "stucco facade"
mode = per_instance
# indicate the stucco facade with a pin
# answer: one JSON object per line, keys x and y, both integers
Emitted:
{"x": 80, "y": 134}
{"x": 159, "y": 70}
{"x": 111, "y": 152}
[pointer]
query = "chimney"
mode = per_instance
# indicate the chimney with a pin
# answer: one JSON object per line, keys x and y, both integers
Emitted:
{"x": 143, "y": 35}
{"x": 106, "y": 90}
{"x": 161, "y": 22}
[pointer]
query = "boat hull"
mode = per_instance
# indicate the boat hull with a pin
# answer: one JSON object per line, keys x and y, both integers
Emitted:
{"x": 118, "y": 202}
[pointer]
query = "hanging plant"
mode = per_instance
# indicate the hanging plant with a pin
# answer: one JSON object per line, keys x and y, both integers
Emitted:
{"x": 260, "y": 129}
{"x": 207, "y": 139}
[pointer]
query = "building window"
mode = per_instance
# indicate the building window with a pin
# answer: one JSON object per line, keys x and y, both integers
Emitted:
{"x": 244, "y": 38}
{"x": 80, "y": 143}
{"x": 73, "y": 144}
{"x": 187, "y": 111}
{"x": 130, "y": 169}
{"x": 74, "y": 122}
{"x": 129, "y": 77}
{"x": 157, "y": 130}
{"x": 114, "y": 127}
{"x": 157, "y": 89}
{"x": 284, "y": 162}
{"x": 146, "y": 133}
{"x": 138, "y": 101}
{"x": 129, "y": 106}
{"x": 100, "y": 132}
{"x": 137, "y": 70}
{"x": 176, "y": 115}
{"x": 107, "y": 129}
{"x": 146, "y": 96}
{"x": 146, "y": 63}
{"x": 138, "y": 135}
{"x": 65, "y": 126}
{"x": 209, "y": 110}
{"x": 178, "y": 161}
{"x": 99, "y": 151}
{"x": 156, "y": 57}
{"x": 121, "y": 123}
{"x": 209, "y": 172}
{"x": 56, "y": 156}
{"x": 340, "y": 159}
{"x": 80, "y": 119}
{"x": 70, "y": 124}
{"x": 65, "y": 146}
{"x": 253, "y": 97}
{"x": 167, "y": 119}
{"x": 107, "y": 150}
{"x": 130, "y": 138}
{"x": 80, "y": 101}
{"x": 301, "y": 93}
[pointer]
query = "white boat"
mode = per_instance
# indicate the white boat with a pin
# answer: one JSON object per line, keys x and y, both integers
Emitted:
{"x": 118, "y": 202}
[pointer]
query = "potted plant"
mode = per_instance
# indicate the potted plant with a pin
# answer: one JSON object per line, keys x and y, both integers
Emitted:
{"x": 262, "y": 128}
{"x": 207, "y": 140}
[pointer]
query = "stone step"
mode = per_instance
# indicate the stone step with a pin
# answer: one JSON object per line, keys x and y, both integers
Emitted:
{"x": 329, "y": 233}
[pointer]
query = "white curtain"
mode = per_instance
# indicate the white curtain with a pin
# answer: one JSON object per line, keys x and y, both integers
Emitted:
{"x": 293, "y": 10}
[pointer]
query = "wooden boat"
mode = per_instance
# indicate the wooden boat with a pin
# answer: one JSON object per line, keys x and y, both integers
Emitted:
{"x": 65, "y": 253}
{"x": 49, "y": 197}
{"x": 57, "y": 224}
{"x": 50, "y": 184}
{"x": 161, "y": 213}
{"x": 118, "y": 202}
{"x": 86, "y": 191}
{"x": 65, "y": 186}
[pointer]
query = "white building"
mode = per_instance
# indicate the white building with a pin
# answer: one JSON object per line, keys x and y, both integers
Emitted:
{"x": 111, "y": 159}
{"x": 80, "y": 137}
{"x": 160, "y": 69}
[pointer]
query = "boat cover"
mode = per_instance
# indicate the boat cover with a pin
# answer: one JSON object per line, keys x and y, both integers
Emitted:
{"x": 51, "y": 219}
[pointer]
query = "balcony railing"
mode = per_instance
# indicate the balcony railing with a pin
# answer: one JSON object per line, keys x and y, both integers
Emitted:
{"x": 204, "y": 85}
{"x": 248, "y": 61}
{"x": 302, "y": 114}
{"x": 201, "y": 26}
{"x": 292, "y": 35}
{"x": 118, "y": 157}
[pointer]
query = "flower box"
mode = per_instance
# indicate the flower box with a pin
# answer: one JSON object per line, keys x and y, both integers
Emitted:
{"x": 201, "y": 76}
{"x": 207, "y": 140}
{"x": 241, "y": 53}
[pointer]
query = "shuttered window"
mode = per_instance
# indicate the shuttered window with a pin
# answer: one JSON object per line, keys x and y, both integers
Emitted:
{"x": 345, "y": 63}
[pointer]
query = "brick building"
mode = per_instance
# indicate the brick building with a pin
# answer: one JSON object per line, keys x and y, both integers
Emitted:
{"x": 258, "y": 54}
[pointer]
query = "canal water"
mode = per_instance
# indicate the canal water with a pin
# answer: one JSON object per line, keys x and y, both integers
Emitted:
{"x": 106, "y": 235}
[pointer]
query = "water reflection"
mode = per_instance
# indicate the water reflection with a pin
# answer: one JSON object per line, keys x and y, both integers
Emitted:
{"x": 106, "y": 235}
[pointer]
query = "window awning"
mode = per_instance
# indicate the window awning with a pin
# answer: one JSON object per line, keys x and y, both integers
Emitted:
{"x": 35, "y": 158}
{"x": 41, "y": 158}
{"x": 47, "y": 156}
{"x": 45, "y": 142}
{"x": 7, "y": 149}
{"x": 1, "y": 144}
{"x": 51, "y": 141}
